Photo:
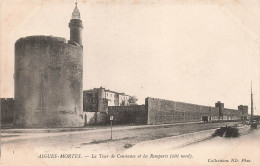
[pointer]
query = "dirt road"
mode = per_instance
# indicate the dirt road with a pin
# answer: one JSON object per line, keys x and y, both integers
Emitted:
{"x": 95, "y": 140}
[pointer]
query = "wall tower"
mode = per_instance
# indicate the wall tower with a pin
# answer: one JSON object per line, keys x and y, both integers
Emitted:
{"x": 49, "y": 79}
{"x": 221, "y": 109}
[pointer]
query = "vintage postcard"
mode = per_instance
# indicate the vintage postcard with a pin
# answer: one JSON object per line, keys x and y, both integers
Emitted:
{"x": 130, "y": 82}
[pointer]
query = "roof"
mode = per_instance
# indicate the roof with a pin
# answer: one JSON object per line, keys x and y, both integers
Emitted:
{"x": 106, "y": 90}
{"x": 76, "y": 13}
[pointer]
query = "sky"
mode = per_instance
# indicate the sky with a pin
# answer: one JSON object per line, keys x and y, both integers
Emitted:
{"x": 193, "y": 51}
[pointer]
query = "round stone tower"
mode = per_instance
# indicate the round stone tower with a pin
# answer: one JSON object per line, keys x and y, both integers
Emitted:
{"x": 48, "y": 81}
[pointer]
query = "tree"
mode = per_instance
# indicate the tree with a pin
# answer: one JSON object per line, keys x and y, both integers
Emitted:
{"x": 122, "y": 103}
{"x": 132, "y": 100}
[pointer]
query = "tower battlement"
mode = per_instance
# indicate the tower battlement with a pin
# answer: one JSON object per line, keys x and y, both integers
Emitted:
{"x": 76, "y": 27}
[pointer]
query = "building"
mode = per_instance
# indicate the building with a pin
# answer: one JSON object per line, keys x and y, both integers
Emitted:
{"x": 221, "y": 109}
{"x": 116, "y": 98}
{"x": 244, "y": 111}
{"x": 98, "y": 99}
{"x": 161, "y": 111}
{"x": 7, "y": 112}
{"x": 48, "y": 79}
{"x": 231, "y": 114}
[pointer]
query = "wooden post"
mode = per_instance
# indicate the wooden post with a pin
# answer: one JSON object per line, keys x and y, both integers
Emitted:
{"x": 111, "y": 120}
{"x": 111, "y": 129}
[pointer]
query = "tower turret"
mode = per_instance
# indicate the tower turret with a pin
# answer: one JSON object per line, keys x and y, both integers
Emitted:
{"x": 221, "y": 109}
{"x": 76, "y": 27}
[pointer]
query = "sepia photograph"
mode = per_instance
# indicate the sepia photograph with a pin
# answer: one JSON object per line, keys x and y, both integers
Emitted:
{"x": 130, "y": 82}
